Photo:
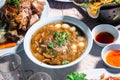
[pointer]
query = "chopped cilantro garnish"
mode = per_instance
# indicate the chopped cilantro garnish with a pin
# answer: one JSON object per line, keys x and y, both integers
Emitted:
{"x": 65, "y": 62}
{"x": 51, "y": 45}
{"x": 13, "y": 2}
{"x": 61, "y": 38}
{"x": 76, "y": 76}
{"x": 56, "y": 34}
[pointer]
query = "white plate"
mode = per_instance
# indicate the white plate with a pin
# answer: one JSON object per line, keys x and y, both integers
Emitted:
{"x": 13, "y": 49}
{"x": 46, "y": 9}
{"x": 96, "y": 73}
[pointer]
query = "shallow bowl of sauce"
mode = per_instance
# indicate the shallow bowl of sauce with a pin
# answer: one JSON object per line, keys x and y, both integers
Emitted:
{"x": 105, "y": 34}
{"x": 111, "y": 55}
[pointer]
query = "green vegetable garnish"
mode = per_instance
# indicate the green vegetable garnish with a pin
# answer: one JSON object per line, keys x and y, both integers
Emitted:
{"x": 56, "y": 34}
{"x": 13, "y": 2}
{"x": 52, "y": 45}
{"x": 116, "y": 1}
{"x": 51, "y": 51}
{"x": 76, "y": 76}
{"x": 60, "y": 38}
{"x": 65, "y": 62}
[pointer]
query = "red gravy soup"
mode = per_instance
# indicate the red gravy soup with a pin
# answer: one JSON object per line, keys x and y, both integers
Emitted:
{"x": 104, "y": 37}
{"x": 58, "y": 43}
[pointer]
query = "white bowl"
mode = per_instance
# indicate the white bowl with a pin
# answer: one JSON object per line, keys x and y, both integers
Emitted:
{"x": 108, "y": 48}
{"x": 40, "y": 24}
{"x": 105, "y": 28}
{"x": 2, "y": 2}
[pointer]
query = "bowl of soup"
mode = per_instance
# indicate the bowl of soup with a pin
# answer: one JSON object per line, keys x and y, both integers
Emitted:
{"x": 58, "y": 42}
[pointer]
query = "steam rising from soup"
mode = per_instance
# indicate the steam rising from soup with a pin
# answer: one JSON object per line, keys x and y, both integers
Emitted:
{"x": 58, "y": 43}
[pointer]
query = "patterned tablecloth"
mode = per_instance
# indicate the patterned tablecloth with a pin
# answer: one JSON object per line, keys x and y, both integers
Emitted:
{"x": 91, "y": 61}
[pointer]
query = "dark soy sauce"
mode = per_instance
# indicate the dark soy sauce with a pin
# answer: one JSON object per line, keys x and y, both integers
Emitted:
{"x": 104, "y": 37}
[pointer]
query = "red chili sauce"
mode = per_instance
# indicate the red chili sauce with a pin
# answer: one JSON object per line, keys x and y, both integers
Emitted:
{"x": 104, "y": 37}
{"x": 113, "y": 58}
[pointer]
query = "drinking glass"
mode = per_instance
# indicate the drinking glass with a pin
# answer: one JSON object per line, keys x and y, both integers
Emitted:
{"x": 40, "y": 76}
{"x": 11, "y": 67}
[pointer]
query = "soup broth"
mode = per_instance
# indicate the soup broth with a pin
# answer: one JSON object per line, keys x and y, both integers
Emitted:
{"x": 58, "y": 43}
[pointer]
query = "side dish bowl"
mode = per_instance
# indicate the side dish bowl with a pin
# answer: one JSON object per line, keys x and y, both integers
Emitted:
{"x": 45, "y": 21}
{"x": 110, "y": 34}
{"x": 111, "y": 55}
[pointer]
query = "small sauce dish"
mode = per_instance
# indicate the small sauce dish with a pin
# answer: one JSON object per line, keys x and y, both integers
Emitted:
{"x": 105, "y": 34}
{"x": 111, "y": 55}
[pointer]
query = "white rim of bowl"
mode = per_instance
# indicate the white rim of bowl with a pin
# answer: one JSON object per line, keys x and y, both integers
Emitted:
{"x": 55, "y": 19}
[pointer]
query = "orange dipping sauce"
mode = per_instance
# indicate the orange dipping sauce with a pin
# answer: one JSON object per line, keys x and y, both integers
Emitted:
{"x": 113, "y": 58}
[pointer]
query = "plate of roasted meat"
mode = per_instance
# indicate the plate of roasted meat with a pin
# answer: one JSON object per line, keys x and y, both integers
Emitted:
{"x": 16, "y": 17}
